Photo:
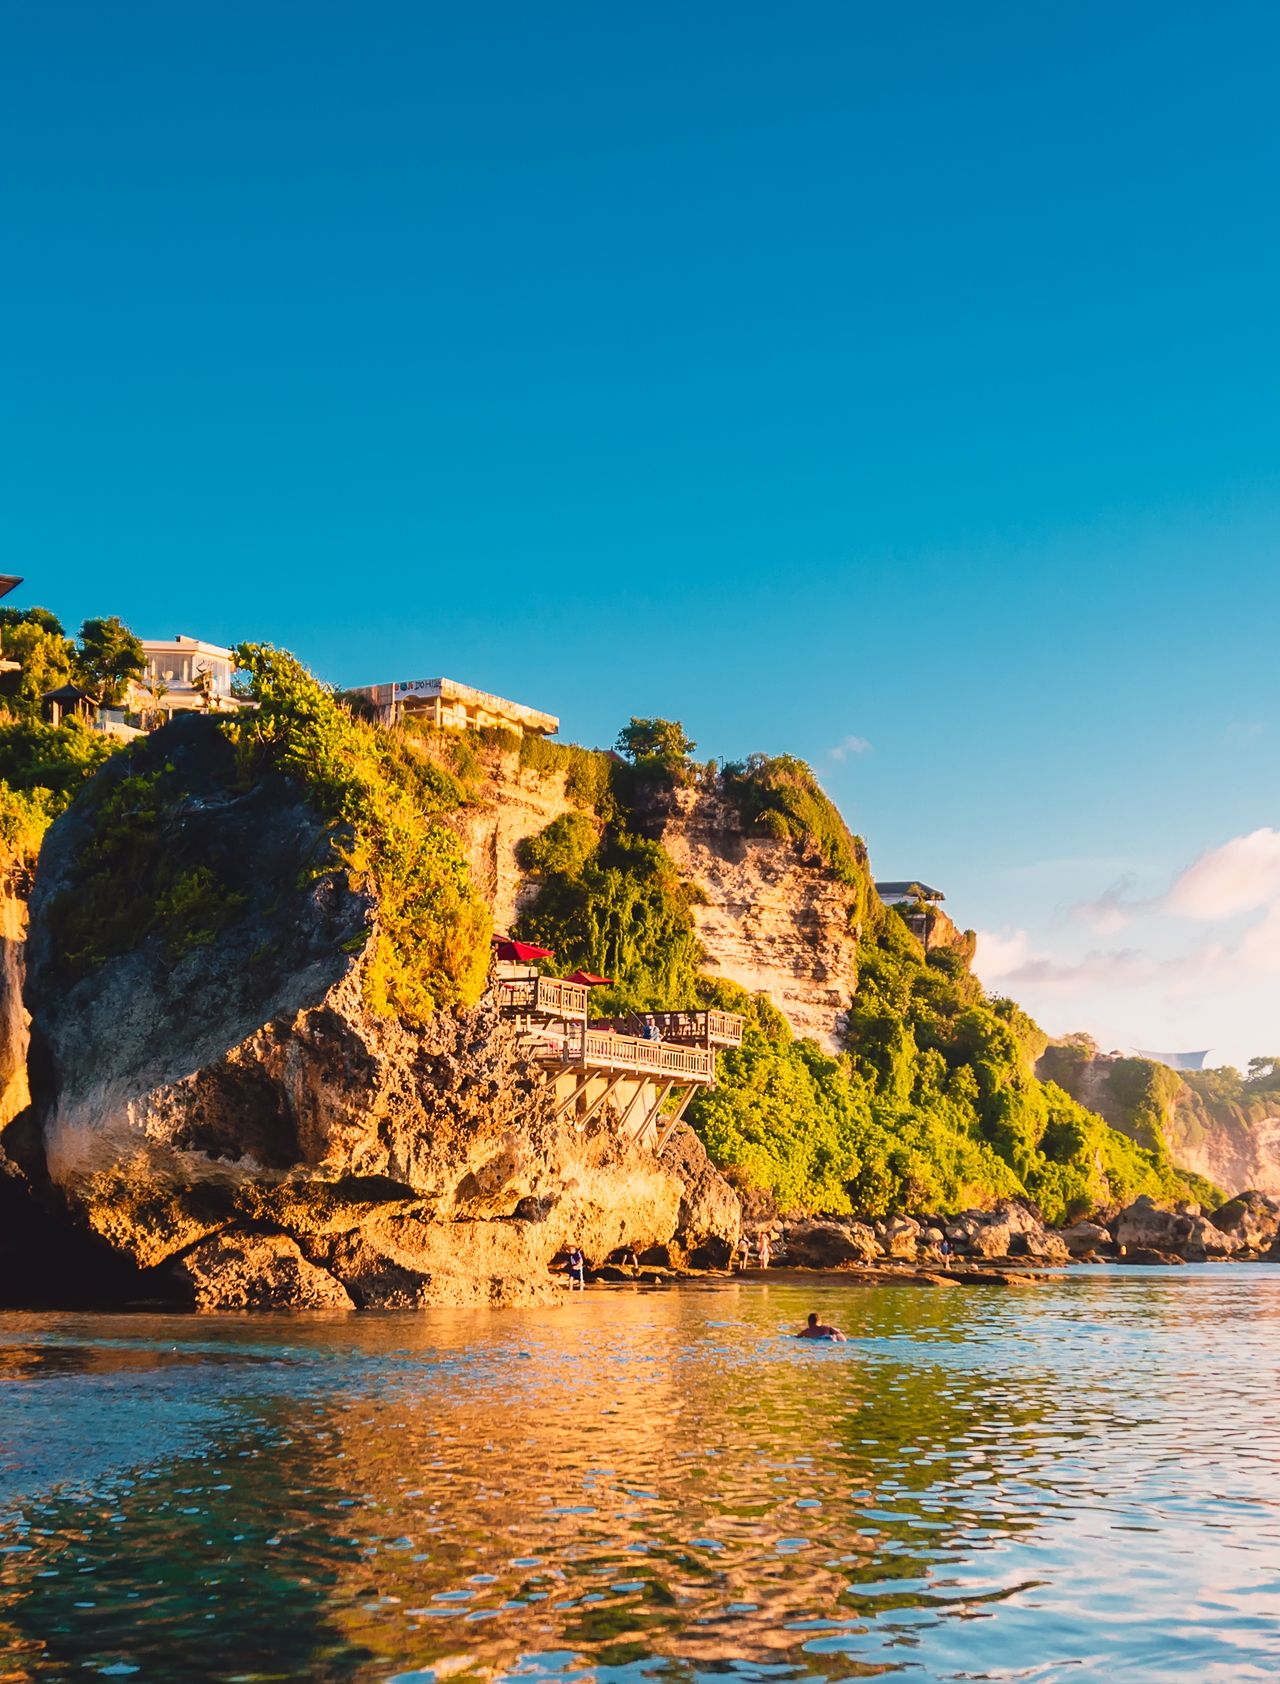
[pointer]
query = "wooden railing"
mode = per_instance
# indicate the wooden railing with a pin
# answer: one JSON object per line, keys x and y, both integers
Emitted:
{"x": 594, "y": 1049}
{"x": 543, "y": 996}
{"x": 697, "y": 1029}
{"x": 703, "y": 1028}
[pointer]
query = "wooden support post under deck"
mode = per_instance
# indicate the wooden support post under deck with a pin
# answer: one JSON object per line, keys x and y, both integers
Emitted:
{"x": 658, "y": 1103}
{"x": 595, "y": 1106}
{"x": 636, "y": 1097}
{"x": 574, "y": 1097}
{"x": 674, "y": 1118}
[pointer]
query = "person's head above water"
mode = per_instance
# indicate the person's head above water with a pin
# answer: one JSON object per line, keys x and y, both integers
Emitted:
{"x": 813, "y": 1318}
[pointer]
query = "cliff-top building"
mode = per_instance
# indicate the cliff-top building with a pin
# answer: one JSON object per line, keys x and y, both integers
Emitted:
{"x": 907, "y": 890}
{"x": 450, "y": 706}
{"x": 182, "y": 673}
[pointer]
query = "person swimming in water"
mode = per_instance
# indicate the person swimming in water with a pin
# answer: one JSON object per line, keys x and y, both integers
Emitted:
{"x": 820, "y": 1330}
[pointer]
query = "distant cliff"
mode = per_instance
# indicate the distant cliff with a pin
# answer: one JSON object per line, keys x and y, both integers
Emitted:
{"x": 1212, "y": 1122}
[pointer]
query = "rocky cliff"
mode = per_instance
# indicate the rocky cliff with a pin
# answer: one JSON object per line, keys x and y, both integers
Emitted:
{"x": 1210, "y": 1122}
{"x": 772, "y": 917}
{"x": 228, "y": 1114}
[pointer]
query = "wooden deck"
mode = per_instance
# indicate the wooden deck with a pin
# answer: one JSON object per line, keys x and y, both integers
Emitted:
{"x": 541, "y": 996}
{"x": 690, "y": 1029}
{"x": 583, "y": 1048}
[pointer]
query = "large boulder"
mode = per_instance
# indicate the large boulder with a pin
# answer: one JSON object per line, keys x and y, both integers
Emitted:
{"x": 1206, "y": 1243}
{"x": 1145, "y": 1225}
{"x": 828, "y": 1244}
{"x": 1085, "y": 1239}
{"x": 1010, "y": 1229}
{"x": 1252, "y": 1219}
{"x": 898, "y": 1236}
{"x": 244, "y": 1089}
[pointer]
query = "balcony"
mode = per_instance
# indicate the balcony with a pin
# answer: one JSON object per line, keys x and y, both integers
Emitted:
{"x": 541, "y": 996}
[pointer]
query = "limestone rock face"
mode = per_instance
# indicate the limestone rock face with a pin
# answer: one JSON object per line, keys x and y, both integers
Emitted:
{"x": 236, "y": 1120}
{"x": 1251, "y": 1218}
{"x": 775, "y": 920}
{"x": 257, "y": 1272}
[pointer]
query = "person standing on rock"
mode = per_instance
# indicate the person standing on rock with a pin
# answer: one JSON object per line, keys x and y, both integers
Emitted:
{"x": 577, "y": 1267}
{"x": 764, "y": 1248}
{"x": 744, "y": 1252}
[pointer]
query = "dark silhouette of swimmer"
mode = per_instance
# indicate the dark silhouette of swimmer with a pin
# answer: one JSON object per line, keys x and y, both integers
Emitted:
{"x": 820, "y": 1330}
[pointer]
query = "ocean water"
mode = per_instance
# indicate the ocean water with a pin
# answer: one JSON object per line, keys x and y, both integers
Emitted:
{"x": 1073, "y": 1480}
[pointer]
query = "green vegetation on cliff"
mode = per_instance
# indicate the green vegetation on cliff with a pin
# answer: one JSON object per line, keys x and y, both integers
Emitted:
{"x": 934, "y": 1104}
{"x": 615, "y": 904}
{"x": 933, "y": 1107}
{"x": 431, "y": 942}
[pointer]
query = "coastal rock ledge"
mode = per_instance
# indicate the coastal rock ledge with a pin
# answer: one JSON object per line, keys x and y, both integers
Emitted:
{"x": 229, "y": 1123}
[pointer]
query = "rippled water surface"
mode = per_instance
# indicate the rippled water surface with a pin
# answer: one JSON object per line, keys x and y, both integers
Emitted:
{"x": 1073, "y": 1480}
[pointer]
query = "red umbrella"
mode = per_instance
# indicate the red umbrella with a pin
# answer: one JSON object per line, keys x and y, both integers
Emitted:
{"x": 589, "y": 979}
{"x": 520, "y": 952}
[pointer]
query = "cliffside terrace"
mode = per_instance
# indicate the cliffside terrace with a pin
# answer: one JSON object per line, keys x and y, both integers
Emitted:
{"x": 591, "y": 1063}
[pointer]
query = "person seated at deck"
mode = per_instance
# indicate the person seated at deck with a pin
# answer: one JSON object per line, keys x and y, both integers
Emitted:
{"x": 816, "y": 1329}
{"x": 650, "y": 1031}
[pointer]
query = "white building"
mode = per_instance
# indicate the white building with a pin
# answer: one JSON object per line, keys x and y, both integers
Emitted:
{"x": 183, "y": 673}
{"x": 450, "y": 706}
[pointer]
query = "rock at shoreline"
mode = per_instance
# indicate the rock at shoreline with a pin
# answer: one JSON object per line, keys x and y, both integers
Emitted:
{"x": 233, "y": 1117}
{"x": 1086, "y": 1239}
{"x": 1010, "y": 1229}
{"x": 899, "y": 1236}
{"x": 1146, "y": 1226}
{"x": 1149, "y": 1256}
{"x": 230, "y": 1271}
{"x": 1252, "y": 1219}
{"x": 829, "y": 1244}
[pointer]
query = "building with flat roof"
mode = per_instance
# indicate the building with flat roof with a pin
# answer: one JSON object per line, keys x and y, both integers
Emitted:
{"x": 450, "y": 706}
{"x": 183, "y": 673}
{"x": 900, "y": 893}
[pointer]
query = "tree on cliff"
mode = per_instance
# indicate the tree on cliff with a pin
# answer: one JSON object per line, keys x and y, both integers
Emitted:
{"x": 34, "y": 639}
{"x": 656, "y": 743}
{"x": 108, "y": 659}
{"x": 430, "y": 943}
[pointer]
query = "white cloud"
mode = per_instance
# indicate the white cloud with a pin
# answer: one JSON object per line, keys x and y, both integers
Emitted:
{"x": 850, "y": 746}
{"x": 1002, "y": 954}
{"x": 1240, "y": 876}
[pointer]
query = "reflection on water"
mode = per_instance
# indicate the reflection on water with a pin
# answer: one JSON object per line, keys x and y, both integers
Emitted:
{"x": 1071, "y": 1480}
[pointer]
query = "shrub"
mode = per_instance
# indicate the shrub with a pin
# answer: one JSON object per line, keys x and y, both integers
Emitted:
{"x": 431, "y": 946}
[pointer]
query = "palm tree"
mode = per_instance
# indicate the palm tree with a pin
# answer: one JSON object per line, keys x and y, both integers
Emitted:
{"x": 156, "y": 689}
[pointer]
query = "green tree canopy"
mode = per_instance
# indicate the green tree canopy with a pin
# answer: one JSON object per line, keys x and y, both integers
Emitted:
{"x": 656, "y": 743}
{"x": 109, "y": 656}
{"x": 46, "y": 660}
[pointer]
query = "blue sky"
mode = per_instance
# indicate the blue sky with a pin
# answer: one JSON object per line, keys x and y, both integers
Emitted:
{"x": 905, "y": 375}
